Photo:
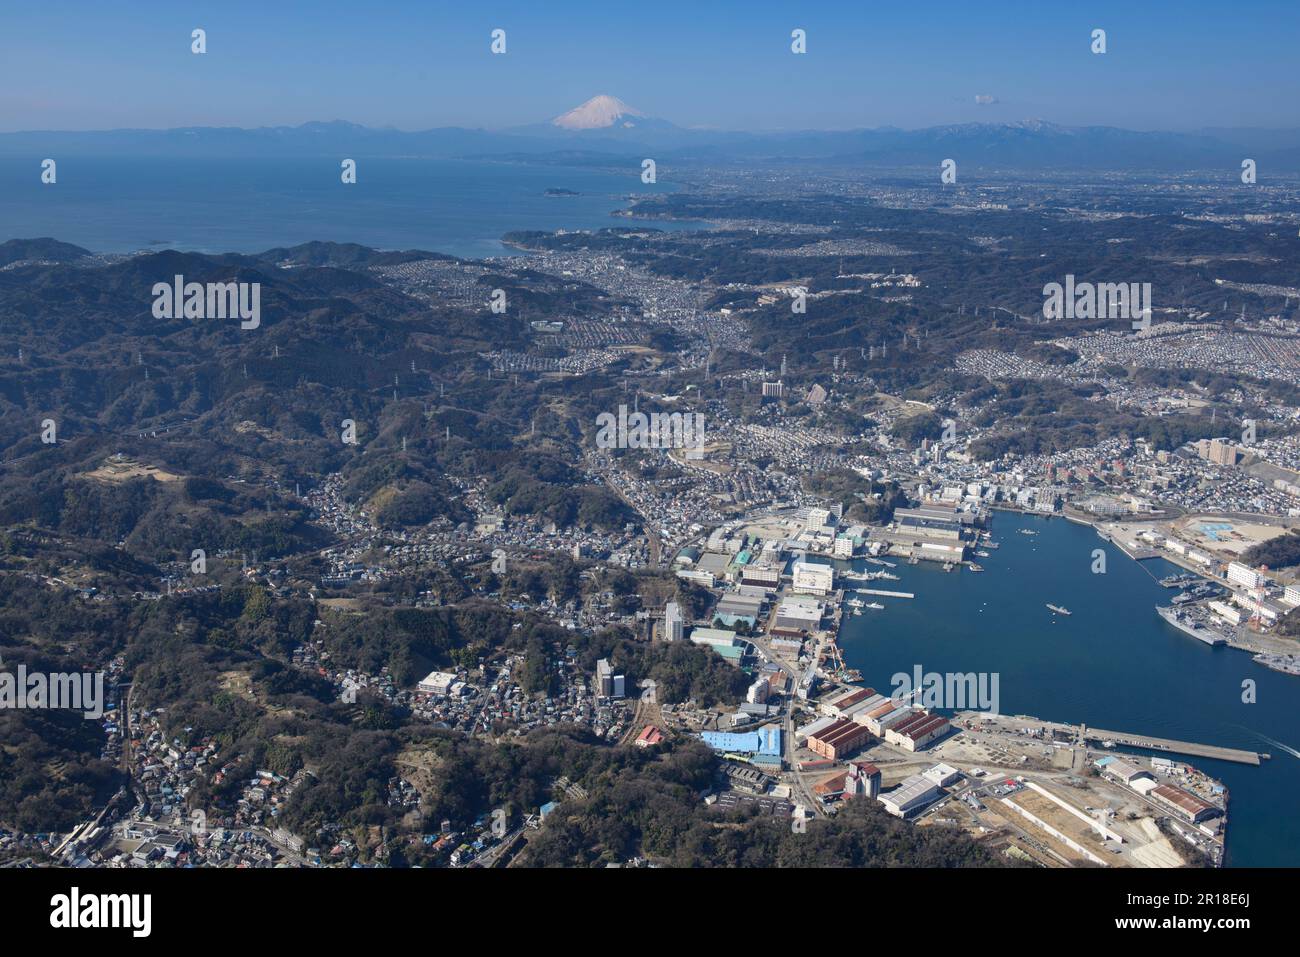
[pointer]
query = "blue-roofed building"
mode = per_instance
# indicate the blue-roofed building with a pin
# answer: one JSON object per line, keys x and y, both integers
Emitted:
{"x": 731, "y": 742}
{"x": 547, "y": 808}
{"x": 771, "y": 740}
{"x": 765, "y": 741}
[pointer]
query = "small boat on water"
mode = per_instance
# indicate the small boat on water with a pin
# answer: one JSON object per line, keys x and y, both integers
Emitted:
{"x": 1028, "y": 531}
{"x": 874, "y": 606}
{"x": 1058, "y": 609}
{"x": 857, "y": 611}
{"x": 982, "y": 554}
{"x": 975, "y": 568}
{"x": 947, "y": 566}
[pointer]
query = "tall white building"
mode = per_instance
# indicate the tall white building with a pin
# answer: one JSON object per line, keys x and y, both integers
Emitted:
{"x": 673, "y": 625}
{"x": 817, "y": 518}
{"x": 1245, "y": 576}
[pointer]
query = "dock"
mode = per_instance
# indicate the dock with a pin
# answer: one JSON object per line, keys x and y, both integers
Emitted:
{"x": 1130, "y": 740}
{"x": 886, "y": 594}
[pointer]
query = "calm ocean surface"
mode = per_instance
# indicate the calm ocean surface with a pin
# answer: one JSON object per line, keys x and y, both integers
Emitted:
{"x": 1112, "y": 664}
{"x": 246, "y": 205}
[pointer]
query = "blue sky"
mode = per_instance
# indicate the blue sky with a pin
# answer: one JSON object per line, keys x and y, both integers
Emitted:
{"x": 715, "y": 63}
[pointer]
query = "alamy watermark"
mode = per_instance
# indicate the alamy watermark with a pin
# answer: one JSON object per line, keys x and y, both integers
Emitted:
{"x": 76, "y": 691}
{"x": 1104, "y": 300}
{"x": 215, "y": 300}
{"x": 953, "y": 691}
{"x": 655, "y": 430}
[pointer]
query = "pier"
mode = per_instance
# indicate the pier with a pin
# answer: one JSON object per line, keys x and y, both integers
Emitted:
{"x": 1131, "y": 740}
{"x": 886, "y": 594}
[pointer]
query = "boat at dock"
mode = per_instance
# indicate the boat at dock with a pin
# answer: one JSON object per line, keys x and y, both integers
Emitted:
{"x": 1059, "y": 610}
{"x": 982, "y": 554}
{"x": 855, "y": 603}
{"x": 1190, "y": 626}
{"x": 874, "y": 606}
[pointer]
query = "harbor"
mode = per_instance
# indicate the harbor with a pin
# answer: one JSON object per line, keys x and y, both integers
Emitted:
{"x": 1112, "y": 663}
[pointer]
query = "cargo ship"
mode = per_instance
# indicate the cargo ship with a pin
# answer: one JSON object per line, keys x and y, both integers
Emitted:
{"x": 1059, "y": 610}
{"x": 1190, "y": 626}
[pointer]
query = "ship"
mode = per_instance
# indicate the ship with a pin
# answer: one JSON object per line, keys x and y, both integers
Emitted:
{"x": 1190, "y": 626}
{"x": 1059, "y": 610}
{"x": 854, "y": 603}
{"x": 982, "y": 554}
{"x": 989, "y": 544}
{"x": 974, "y": 567}
{"x": 874, "y": 606}
{"x": 1027, "y": 531}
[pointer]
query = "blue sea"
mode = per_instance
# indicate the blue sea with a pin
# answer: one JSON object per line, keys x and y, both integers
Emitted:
{"x": 459, "y": 207}
{"x": 1113, "y": 663}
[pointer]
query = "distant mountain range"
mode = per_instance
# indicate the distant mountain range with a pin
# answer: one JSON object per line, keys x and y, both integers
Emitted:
{"x": 606, "y": 128}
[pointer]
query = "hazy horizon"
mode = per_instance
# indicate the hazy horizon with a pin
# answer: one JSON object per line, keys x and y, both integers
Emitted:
{"x": 415, "y": 67}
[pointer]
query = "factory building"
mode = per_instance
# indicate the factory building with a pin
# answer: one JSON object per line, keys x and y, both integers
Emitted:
{"x": 1125, "y": 772}
{"x": 915, "y": 794}
{"x": 942, "y": 775}
{"x": 839, "y": 740}
{"x": 765, "y": 743}
{"x": 821, "y": 724}
{"x": 736, "y": 609}
{"x": 713, "y": 637}
{"x": 838, "y": 705}
{"x": 917, "y": 731}
{"x": 813, "y": 579}
{"x": 1184, "y": 803}
{"x": 884, "y": 715}
{"x": 798, "y": 614}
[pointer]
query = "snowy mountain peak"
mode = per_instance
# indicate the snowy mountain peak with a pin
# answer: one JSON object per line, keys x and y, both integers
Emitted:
{"x": 600, "y": 112}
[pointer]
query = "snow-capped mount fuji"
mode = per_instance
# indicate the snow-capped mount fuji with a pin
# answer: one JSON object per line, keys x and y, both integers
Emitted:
{"x": 599, "y": 113}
